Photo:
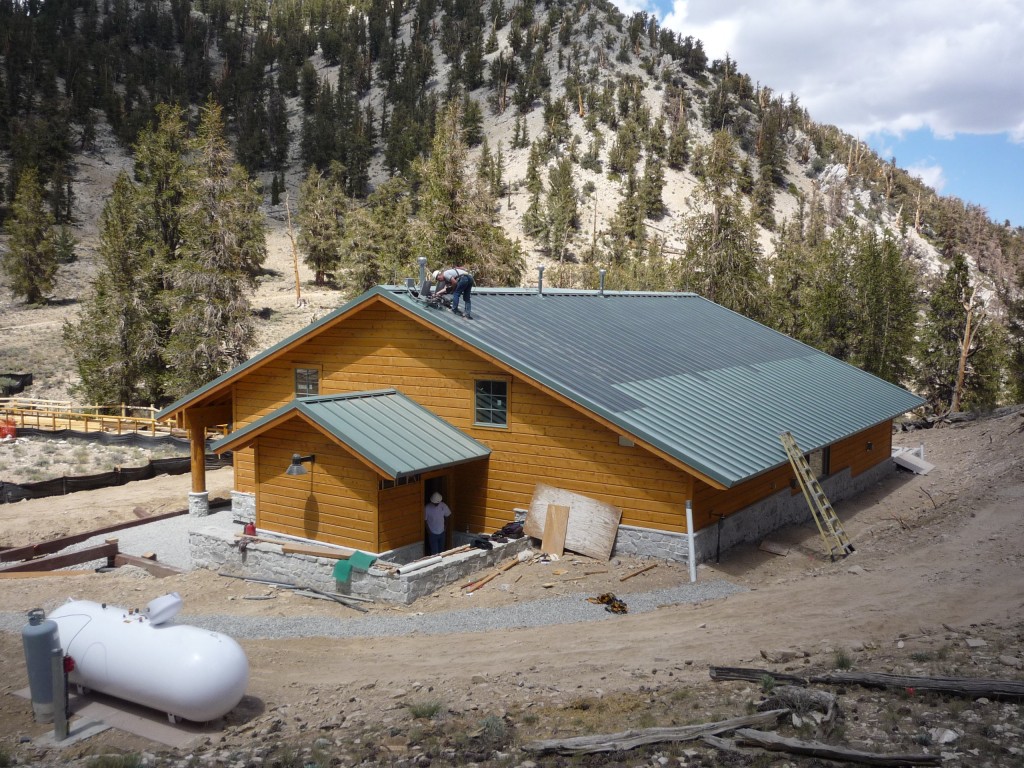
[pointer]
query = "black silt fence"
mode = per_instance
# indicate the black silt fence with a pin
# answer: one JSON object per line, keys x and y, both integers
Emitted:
{"x": 11, "y": 492}
{"x": 18, "y": 382}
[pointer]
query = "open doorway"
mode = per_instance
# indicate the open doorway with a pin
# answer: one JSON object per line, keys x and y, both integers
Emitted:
{"x": 430, "y": 487}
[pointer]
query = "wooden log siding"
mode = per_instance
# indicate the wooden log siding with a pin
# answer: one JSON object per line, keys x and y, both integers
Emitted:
{"x": 854, "y": 453}
{"x": 334, "y": 502}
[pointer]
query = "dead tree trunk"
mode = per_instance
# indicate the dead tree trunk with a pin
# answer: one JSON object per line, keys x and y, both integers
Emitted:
{"x": 626, "y": 740}
{"x": 965, "y": 348}
{"x": 776, "y": 743}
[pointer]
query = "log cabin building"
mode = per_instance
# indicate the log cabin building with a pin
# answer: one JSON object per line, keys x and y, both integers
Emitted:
{"x": 642, "y": 400}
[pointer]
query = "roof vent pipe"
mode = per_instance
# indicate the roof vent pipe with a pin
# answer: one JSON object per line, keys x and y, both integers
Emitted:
{"x": 603, "y": 272}
{"x": 540, "y": 279}
{"x": 422, "y": 261}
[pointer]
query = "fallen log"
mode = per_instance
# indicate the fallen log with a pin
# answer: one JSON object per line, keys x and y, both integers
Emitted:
{"x": 754, "y": 675}
{"x": 626, "y": 740}
{"x": 775, "y": 743}
{"x": 959, "y": 686}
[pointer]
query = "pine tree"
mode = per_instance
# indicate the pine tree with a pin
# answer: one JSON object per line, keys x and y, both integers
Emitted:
{"x": 116, "y": 340}
{"x": 457, "y": 222}
{"x": 377, "y": 245}
{"x": 723, "y": 260}
{"x": 651, "y": 185}
{"x": 31, "y": 259}
{"x": 885, "y": 300}
{"x": 562, "y": 218}
{"x": 223, "y": 248}
{"x": 321, "y": 218}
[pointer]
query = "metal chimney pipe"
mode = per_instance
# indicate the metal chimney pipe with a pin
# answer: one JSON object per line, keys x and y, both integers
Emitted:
{"x": 603, "y": 272}
{"x": 422, "y": 261}
{"x": 540, "y": 279}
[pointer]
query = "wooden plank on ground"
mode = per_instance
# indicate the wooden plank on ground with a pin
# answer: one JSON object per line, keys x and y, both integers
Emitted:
{"x": 56, "y": 545}
{"x": 154, "y": 568}
{"x": 555, "y": 524}
{"x": 327, "y": 552}
{"x": 592, "y": 524}
{"x": 38, "y": 574}
{"x": 106, "y": 550}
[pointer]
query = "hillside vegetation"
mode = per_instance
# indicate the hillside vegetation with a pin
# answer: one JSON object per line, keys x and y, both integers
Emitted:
{"x": 497, "y": 135}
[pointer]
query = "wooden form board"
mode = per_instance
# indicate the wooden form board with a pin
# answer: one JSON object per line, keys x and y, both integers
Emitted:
{"x": 592, "y": 524}
{"x": 556, "y": 523}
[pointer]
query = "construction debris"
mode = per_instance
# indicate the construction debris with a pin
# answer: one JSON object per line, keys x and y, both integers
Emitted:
{"x": 611, "y": 603}
{"x": 637, "y": 573}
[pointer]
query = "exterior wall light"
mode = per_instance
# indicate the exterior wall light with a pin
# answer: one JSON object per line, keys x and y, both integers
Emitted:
{"x": 296, "y": 468}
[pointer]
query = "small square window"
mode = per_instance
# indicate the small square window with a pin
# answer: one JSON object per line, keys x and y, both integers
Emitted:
{"x": 491, "y": 403}
{"x": 307, "y": 382}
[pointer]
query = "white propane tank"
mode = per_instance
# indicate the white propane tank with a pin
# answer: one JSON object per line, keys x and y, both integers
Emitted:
{"x": 187, "y": 672}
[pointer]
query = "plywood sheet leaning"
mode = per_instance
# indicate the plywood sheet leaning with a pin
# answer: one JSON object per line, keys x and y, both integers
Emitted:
{"x": 592, "y": 524}
{"x": 555, "y": 525}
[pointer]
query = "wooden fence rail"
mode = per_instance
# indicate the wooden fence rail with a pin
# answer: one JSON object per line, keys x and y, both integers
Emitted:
{"x": 23, "y": 413}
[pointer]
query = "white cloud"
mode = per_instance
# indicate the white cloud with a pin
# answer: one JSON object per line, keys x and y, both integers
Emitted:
{"x": 872, "y": 66}
{"x": 930, "y": 173}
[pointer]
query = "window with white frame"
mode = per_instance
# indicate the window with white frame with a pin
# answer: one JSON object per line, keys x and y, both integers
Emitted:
{"x": 307, "y": 382}
{"x": 491, "y": 407}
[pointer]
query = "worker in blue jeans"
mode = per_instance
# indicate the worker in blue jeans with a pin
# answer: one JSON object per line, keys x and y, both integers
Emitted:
{"x": 459, "y": 283}
{"x": 435, "y": 514}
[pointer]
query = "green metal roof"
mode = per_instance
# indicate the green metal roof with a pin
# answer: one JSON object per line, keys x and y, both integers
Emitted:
{"x": 707, "y": 386}
{"x": 386, "y": 427}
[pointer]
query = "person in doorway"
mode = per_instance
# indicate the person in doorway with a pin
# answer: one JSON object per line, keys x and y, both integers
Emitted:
{"x": 436, "y": 514}
{"x": 458, "y": 283}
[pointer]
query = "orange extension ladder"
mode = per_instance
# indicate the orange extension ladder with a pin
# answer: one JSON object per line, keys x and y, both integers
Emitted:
{"x": 837, "y": 543}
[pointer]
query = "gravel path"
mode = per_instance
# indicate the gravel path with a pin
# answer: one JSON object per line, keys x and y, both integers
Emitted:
{"x": 171, "y": 547}
{"x": 565, "y": 609}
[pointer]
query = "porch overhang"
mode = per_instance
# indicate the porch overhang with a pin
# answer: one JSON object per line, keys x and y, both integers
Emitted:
{"x": 389, "y": 432}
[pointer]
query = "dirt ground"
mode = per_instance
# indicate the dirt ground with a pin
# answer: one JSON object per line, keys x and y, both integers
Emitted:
{"x": 939, "y": 558}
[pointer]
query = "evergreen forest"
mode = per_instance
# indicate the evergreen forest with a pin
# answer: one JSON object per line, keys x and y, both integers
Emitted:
{"x": 498, "y": 135}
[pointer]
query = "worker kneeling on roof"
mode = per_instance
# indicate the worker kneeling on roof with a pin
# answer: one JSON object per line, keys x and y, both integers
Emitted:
{"x": 457, "y": 282}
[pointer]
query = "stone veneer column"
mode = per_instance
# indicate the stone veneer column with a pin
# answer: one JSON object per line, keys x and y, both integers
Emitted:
{"x": 199, "y": 503}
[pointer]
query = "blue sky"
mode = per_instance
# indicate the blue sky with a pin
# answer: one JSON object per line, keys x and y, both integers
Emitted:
{"x": 937, "y": 84}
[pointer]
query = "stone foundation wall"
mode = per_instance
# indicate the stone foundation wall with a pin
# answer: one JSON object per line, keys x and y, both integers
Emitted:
{"x": 750, "y": 524}
{"x": 784, "y": 508}
{"x": 648, "y": 542}
{"x": 217, "y": 550}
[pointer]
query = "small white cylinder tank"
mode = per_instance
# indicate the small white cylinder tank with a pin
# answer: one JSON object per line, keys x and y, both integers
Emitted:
{"x": 187, "y": 672}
